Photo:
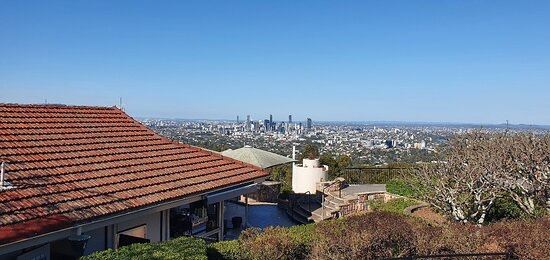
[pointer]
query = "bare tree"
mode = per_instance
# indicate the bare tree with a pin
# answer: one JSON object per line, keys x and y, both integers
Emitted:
{"x": 477, "y": 168}
{"x": 464, "y": 183}
{"x": 526, "y": 163}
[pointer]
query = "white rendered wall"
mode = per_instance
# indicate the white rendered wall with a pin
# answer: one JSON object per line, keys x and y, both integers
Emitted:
{"x": 306, "y": 176}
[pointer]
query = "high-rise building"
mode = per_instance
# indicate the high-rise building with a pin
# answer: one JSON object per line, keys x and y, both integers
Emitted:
{"x": 237, "y": 119}
{"x": 267, "y": 125}
{"x": 248, "y": 123}
{"x": 271, "y": 124}
{"x": 309, "y": 124}
{"x": 290, "y": 119}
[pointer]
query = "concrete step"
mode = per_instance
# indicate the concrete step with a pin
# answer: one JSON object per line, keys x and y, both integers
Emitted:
{"x": 331, "y": 205}
{"x": 335, "y": 199}
{"x": 317, "y": 215}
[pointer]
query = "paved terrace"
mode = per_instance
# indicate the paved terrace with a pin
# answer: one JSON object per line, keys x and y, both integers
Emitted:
{"x": 353, "y": 190}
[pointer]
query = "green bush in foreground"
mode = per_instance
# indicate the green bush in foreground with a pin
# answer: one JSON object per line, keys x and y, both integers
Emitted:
{"x": 180, "y": 248}
{"x": 271, "y": 243}
{"x": 278, "y": 243}
{"x": 229, "y": 250}
{"x": 372, "y": 235}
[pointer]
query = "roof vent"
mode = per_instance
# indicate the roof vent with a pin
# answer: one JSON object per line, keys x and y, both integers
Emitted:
{"x": 4, "y": 185}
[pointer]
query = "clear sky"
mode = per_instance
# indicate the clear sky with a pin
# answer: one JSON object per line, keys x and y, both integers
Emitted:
{"x": 429, "y": 61}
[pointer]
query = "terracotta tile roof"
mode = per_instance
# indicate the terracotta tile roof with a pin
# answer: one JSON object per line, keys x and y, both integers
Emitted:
{"x": 70, "y": 164}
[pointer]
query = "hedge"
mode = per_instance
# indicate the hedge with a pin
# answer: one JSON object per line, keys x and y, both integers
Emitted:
{"x": 378, "y": 234}
{"x": 271, "y": 243}
{"x": 381, "y": 234}
{"x": 180, "y": 248}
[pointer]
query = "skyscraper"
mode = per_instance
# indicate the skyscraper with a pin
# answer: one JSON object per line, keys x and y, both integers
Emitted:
{"x": 237, "y": 119}
{"x": 267, "y": 126}
{"x": 248, "y": 123}
{"x": 290, "y": 119}
{"x": 309, "y": 124}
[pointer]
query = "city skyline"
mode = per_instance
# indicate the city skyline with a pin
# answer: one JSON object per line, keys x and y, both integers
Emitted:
{"x": 381, "y": 122}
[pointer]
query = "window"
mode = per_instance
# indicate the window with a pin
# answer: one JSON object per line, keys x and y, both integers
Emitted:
{"x": 133, "y": 235}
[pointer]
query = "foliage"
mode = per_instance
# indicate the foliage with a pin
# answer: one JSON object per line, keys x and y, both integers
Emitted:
{"x": 402, "y": 187}
{"x": 368, "y": 236}
{"x": 180, "y": 248}
{"x": 525, "y": 239}
{"x": 379, "y": 234}
{"x": 384, "y": 234}
{"x": 525, "y": 166}
{"x": 335, "y": 163}
{"x": 278, "y": 243}
{"x": 230, "y": 250}
{"x": 283, "y": 174}
{"x": 395, "y": 205}
{"x": 285, "y": 194}
{"x": 311, "y": 152}
{"x": 505, "y": 208}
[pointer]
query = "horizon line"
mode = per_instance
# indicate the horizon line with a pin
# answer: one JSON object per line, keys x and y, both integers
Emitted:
{"x": 361, "y": 121}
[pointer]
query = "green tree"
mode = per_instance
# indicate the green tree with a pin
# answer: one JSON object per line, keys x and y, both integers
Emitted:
{"x": 335, "y": 163}
{"x": 311, "y": 152}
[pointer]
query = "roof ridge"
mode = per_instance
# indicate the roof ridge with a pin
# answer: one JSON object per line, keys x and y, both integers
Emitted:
{"x": 27, "y": 105}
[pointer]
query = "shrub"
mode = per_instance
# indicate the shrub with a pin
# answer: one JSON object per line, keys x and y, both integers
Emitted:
{"x": 304, "y": 234}
{"x": 505, "y": 208}
{"x": 180, "y": 248}
{"x": 525, "y": 239}
{"x": 374, "y": 235}
{"x": 230, "y": 250}
{"x": 385, "y": 234}
{"x": 379, "y": 234}
{"x": 278, "y": 243}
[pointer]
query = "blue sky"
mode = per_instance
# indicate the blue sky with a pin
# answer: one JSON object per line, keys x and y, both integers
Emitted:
{"x": 429, "y": 61}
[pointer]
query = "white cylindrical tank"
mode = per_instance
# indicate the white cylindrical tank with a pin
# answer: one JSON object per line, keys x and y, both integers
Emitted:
{"x": 305, "y": 176}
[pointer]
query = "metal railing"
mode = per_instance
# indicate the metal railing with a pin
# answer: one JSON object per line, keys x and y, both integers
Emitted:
{"x": 308, "y": 200}
{"x": 372, "y": 175}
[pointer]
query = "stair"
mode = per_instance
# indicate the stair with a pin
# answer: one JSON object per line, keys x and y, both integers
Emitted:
{"x": 308, "y": 209}
{"x": 317, "y": 215}
{"x": 331, "y": 207}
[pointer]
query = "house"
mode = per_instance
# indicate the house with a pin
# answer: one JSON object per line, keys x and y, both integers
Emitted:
{"x": 78, "y": 179}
